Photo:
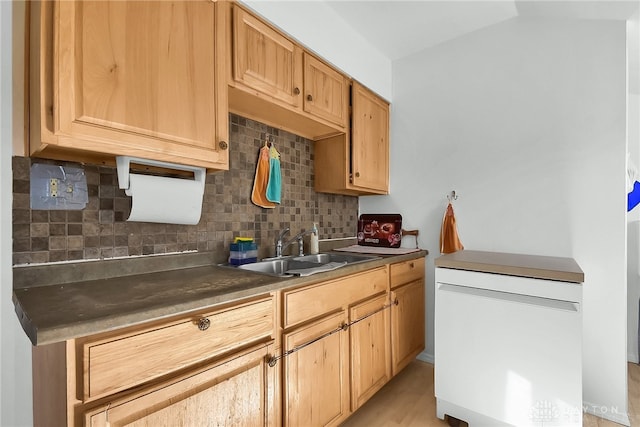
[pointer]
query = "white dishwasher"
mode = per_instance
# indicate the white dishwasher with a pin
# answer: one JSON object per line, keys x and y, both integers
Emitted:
{"x": 508, "y": 348}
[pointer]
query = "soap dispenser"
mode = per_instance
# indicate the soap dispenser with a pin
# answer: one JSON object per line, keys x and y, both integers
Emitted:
{"x": 313, "y": 241}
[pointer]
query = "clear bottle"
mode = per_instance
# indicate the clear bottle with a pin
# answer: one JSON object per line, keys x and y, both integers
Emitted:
{"x": 313, "y": 240}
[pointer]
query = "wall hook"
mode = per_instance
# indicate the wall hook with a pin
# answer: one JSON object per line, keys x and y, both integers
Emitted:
{"x": 452, "y": 196}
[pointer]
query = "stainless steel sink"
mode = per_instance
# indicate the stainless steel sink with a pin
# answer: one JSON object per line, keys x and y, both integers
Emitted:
{"x": 336, "y": 257}
{"x": 281, "y": 265}
{"x": 277, "y": 267}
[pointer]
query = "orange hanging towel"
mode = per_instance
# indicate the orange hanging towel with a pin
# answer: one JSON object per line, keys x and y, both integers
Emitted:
{"x": 449, "y": 240}
{"x": 261, "y": 180}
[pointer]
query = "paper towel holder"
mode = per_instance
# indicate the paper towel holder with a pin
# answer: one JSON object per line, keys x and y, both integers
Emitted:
{"x": 162, "y": 199}
{"x": 123, "y": 164}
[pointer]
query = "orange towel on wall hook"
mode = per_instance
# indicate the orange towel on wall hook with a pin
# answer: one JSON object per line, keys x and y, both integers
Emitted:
{"x": 449, "y": 240}
{"x": 261, "y": 180}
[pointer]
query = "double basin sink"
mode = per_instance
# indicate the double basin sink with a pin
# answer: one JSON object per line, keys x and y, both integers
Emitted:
{"x": 305, "y": 265}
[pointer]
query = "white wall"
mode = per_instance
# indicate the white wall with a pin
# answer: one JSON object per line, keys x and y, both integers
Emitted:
{"x": 526, "y": 121}
{"x": 633, "y": 217}
{"x": 318, "y": 27}
{"x": 633, "y": 238}
{"x": 15, "y": 349}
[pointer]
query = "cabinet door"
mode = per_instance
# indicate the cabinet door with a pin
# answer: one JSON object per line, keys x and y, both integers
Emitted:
{"x": 370, "y": 140}
{"x": 265, "y": 60}
{"x": 234, "y": 393}
{"x": 326, "y": 91}
{"x": 407, "y": 324}
{"x": 370, "y": 348}
{"x": 316, "y": 378}
{"x": 139, "y": 78}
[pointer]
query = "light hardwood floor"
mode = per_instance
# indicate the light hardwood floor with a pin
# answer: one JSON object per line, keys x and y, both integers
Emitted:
{"x": 408, "y": 401}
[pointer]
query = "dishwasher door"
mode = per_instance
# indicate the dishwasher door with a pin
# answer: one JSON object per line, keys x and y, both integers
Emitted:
{"x": 506, "y": 358}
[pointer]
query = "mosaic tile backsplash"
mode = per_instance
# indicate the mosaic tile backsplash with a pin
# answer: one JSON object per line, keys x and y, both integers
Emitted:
{"x": 101, "y": 231}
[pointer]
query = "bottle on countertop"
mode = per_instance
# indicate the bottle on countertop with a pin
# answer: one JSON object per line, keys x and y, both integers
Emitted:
{"x": 313, "y": 240}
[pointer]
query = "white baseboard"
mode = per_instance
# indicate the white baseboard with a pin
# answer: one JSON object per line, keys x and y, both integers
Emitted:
{"x": 426, "y": 357}
{"x": 607, "y": 413}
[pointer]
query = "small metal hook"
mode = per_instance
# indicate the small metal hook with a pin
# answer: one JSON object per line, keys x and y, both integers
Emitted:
{"x": 452, "y": 196}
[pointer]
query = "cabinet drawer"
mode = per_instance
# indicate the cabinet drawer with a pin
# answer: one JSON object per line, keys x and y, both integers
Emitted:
{"x": 123, "y": 361}
{"x": 317, "y": 300}
{"x": 202, "y": 397}
{"x": 407, "y": 271}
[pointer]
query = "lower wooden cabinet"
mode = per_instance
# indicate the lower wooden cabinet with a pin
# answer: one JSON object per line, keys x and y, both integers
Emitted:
{"x": 306, "y": 356}
{"x": 407, "y": 324}
{"x": 370, "y": 334}
{"x": 316, "y": 376}
{"x": 203, "y": 368}
{"x": 234, "y": 392}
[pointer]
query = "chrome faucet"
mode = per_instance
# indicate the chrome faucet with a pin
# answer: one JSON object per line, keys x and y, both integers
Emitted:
{"x": 280, "y": 245}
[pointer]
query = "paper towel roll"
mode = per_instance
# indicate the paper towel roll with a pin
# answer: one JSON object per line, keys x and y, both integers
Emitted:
{"x": 165, "y": 200}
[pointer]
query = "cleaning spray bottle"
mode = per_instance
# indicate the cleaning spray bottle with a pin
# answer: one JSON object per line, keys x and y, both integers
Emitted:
{"x": 313, "y": 241}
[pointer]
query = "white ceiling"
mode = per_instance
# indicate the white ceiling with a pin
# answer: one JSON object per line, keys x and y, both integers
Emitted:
{"x": 402, "y": 27}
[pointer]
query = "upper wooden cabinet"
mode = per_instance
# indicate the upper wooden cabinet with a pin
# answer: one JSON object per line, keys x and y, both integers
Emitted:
{"x": 265, "y": 60}
{"x": 129, "y": 78}
{"x": 326, "y": 91}
{"x": 370, "y": 141}
{"x": 357, "y": 163}
{"x": 273, "y": 80}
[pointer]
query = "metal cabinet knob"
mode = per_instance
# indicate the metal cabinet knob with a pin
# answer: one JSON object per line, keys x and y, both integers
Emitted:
{"x": 223, "y": 145}
{"x": 309, "y": 97}
{"x": 204, "y": 323}
{"x": 296, "y": 91}
{"x": 357, "y": 174}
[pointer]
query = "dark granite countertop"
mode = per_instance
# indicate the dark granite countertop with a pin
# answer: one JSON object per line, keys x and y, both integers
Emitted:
{"x": 59, "y": 302}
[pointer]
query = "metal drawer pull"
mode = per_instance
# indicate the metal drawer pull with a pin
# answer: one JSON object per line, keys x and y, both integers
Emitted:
{"x": 203, "y": 324}
{"x": 274, "y": 359}
{"x": 384, "y": 307}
